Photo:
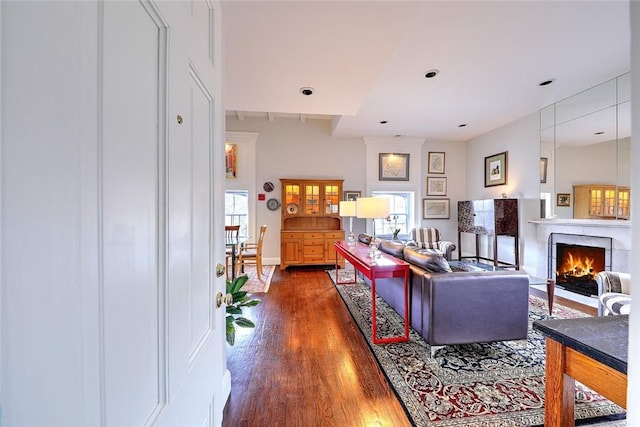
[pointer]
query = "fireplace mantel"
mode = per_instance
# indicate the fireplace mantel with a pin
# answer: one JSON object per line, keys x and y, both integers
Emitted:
{"x": 601, "y": 223}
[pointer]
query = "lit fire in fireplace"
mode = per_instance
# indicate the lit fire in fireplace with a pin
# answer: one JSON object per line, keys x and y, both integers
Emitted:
{"x": 577, "y": 267}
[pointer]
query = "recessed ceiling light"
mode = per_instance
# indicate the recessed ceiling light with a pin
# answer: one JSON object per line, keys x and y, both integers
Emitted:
{"x": 462, "y": 125}
{"x": 383, "y": 122}
{"x": 431, "y": 73}
{"x": 546, "y": 82}
{"x": 306, "y": 91}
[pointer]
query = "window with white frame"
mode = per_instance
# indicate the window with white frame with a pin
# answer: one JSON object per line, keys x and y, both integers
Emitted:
{"x": 401, "y": 216}
{"x": 236, "y": 209}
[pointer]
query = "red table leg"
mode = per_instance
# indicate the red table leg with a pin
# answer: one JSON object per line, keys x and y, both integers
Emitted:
{"x": 338, "y": 282}
{"x": 374, "y": 319}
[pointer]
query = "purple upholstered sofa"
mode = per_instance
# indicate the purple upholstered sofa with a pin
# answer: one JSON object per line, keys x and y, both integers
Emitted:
{"x": 457, "y": 307}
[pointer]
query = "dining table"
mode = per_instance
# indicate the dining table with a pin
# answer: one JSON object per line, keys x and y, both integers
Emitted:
{"x": 234, "y": 243}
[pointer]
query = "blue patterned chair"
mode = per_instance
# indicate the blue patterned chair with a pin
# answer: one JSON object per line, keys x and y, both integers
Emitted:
{"x": 429, "y": 238}
{"x": 613, "y": 293}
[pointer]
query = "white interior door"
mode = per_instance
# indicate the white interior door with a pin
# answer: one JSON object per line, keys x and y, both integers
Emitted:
{"x": 112, "y": 159}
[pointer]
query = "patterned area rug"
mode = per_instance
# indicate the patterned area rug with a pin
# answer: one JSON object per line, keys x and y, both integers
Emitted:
{"x": 487, "y": 384}
{"x": 255, "y": 285}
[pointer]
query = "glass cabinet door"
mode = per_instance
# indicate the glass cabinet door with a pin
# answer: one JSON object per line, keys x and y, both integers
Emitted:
{"x": 595, "y": 202}
{"x": 609, "y": 202}
{"x": 331, "y": 199}
{"x": 311, "y": 199}
{"x": 291, "y": 198}
{"x": 623, "y": 203}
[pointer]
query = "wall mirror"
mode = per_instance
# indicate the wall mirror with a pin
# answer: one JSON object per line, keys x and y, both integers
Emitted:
{"x": 585, "y": 143}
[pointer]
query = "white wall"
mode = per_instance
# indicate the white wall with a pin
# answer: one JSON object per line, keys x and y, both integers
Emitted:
{"x": 521, "y": 139}
{"x": 289, "y": 148}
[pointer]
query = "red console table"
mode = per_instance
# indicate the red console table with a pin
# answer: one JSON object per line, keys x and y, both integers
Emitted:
{"x": 383, "y": 266}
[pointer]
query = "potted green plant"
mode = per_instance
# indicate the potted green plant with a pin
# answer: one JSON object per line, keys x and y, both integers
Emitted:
{"x": 241, "y": 299}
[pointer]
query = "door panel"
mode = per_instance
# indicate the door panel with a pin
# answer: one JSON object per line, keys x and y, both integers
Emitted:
{"x": 130, "y": 209}
{"x": 201, "y": 305}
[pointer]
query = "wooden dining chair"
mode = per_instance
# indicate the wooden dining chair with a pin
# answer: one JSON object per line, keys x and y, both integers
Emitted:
{"x": 232, "y": 232}
{"x": 251, "y": 253}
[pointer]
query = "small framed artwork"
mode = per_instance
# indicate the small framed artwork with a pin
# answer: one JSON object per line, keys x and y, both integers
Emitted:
{"x": 435, "y": 162}
{"x": 435, "y": 208}
{"x": 564, "y": 199}
{"x": 436, "y": 186}
{"x": 393, "y": 167}
{"x": 543, "y": 169}
{"x": 352, "y": 195}
{"x": 231, "y": 160}
{"x": 495, "y": 169}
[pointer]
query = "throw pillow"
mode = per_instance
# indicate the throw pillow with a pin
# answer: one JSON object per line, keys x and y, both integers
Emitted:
{"x": 429, "y": 259}
{"x": 393, "y": 248}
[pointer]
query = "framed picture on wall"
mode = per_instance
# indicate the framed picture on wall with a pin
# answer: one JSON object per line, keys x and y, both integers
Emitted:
{"x": 436, "y": 186}
{"x": 543, "y": 169}
{"x": 495, "y": 169}
{"x": 435, "y": 162}
{"x": 352, "y": 195}
{"x": 393, "y": 167}
{"x": 435, "y": 208}
{"x": 564, "y": 199}
{"x": 231, "y": 160}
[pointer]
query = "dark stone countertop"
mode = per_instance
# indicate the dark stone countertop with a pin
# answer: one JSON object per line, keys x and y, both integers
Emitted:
{"x": 604, "y": 339}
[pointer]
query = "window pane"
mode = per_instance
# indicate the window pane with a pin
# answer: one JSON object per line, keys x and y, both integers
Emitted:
{"x": 401, "y": 212}
{"x": 236, "y": 210}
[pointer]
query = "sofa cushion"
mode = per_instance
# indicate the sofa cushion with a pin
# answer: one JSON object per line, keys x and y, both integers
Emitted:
{"x": 429, "y": 259}
{"x": 392, "y": 247}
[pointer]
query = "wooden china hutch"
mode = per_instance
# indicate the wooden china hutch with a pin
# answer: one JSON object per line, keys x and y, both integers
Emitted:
{"x": 310, "y": 221}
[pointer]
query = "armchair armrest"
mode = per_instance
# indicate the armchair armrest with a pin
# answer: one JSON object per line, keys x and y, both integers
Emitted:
{"x": 447, "y": 249}
{"x": 612, "y": 282}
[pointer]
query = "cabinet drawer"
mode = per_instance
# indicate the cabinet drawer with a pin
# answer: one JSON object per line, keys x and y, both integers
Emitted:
{"x": 313, "y": 250}
{"x": 313, "y": 242}
{"x": 291, "y": 235}
{"x": 335, "y": 235}
{"x": 314, "y": 235}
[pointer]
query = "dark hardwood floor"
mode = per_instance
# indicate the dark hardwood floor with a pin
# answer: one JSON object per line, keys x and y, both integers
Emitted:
{"x": 307, "y": 364}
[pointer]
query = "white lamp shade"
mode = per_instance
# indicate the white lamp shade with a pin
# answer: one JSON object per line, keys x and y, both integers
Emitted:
{"x": 348, "y": 208}
{"x": 373, "y": 207}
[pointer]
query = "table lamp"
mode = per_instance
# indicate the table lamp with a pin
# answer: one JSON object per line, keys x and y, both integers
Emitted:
{"x": 373, "y": 208}
{"x": 348, "y": 208}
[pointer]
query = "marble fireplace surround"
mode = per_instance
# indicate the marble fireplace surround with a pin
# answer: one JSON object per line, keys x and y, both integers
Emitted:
{"x": 618, "y": 230}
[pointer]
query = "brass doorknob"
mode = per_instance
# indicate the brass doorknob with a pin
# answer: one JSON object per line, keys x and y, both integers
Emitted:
{"x": 226, "y": 299}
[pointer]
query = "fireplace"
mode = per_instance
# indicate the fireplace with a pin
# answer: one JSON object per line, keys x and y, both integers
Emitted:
{"x": 575, "y": 260}
{"x": 577, "y": 266}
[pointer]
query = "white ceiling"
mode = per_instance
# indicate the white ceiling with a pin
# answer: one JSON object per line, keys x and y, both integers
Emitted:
{"x": 366, "y": 61}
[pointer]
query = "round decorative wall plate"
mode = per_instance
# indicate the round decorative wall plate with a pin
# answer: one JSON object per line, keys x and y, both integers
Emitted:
{"x": 273, "y": 204}
{"x": 268, "y": 186}
{"x": 292, "y": 208}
